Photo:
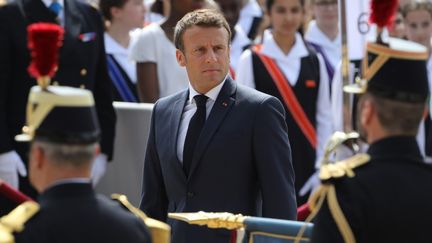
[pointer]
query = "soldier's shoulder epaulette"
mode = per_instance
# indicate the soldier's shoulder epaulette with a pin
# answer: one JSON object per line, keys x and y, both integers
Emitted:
{"x": 344, "y": 168}
{"x": 160, "y": 231}
{"x": 15, "y": 220}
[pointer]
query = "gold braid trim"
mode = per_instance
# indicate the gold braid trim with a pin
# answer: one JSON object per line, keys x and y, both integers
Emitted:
{"x": 15, "y": 220}
{"x": 338, "y": 215}
{"x": 160, "y": 232}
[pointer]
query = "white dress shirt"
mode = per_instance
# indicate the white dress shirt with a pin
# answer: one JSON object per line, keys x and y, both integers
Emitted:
{"x": 331, "y": 48}
{"x": 190, "y": 109}
{"x": 61, "y": 13}
{"x": 290, "y": 65}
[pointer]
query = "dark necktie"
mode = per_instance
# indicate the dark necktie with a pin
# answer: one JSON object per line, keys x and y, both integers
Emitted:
{"x": 194, "y": 130}
{"x": 55, "y": 7}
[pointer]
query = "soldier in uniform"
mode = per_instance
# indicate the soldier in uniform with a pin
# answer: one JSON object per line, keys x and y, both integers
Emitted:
{"x": 82, "y": 63}
{"x": 61, "y": 153}
{"x": 382, "y": 196}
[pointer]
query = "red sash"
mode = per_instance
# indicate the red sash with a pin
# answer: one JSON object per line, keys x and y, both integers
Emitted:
{"x": 288, "y": 97}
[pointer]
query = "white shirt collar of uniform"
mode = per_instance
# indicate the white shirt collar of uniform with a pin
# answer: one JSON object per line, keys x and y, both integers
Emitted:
{"x": 211, "y": 94}
{"x": 240, "y": 39}
{"x": 315, "y": 35}
{"x": 113, "y": 47}
{"x": 271, "y": 49}
{"x": 48, "y": 2}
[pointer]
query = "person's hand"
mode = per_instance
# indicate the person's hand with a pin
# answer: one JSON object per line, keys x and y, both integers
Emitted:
{"x": 11, "y": 166}
{"x": 99, "y": 168}
{"x": 311, "y": 184}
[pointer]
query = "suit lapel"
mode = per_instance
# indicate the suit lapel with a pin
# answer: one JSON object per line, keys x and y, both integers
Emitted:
{"x": 72, "y": 19}
{"x": 221, "y": 108}
{"x": 176, "y": 114}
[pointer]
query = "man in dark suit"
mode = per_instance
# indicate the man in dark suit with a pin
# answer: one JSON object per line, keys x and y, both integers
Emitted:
{"x": 387, "y": 198}
{"x": 61, "y": 155}
{"x": 82, "y": 63}
{"x": 219, "y": 146}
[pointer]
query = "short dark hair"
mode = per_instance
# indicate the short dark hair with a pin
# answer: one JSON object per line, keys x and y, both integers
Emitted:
{"x": 201, "y": 18}
{"x": 416, "y": 5}
{"x": 397, "y": 117}
{"x": 106, "y": 5}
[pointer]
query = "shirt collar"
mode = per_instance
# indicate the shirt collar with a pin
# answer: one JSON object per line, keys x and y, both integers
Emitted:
{"x": 270, "y": 48}
{"x": 48, "y": 2}
{"x": 211, "y": 94}
{"x": 113, "y": 47}
{"x": 315, "y": 35}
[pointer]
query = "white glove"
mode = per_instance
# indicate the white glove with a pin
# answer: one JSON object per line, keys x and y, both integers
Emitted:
{"x": 10, "y": 166}
{"x": 99, "y": 168}
{"x": 311, "y": 184}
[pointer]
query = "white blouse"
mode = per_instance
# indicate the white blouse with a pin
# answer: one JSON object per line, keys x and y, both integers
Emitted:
{"x": 152, "y": 45}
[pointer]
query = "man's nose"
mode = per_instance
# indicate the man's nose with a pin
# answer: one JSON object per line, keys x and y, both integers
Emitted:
{"x": 211, "y": 56}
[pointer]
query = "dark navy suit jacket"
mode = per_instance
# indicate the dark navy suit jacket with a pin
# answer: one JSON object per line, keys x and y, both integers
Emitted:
{"x": 242, "y": 157}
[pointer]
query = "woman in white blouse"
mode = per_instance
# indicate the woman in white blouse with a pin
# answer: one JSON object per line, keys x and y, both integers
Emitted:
{"x": 284, "y": 67}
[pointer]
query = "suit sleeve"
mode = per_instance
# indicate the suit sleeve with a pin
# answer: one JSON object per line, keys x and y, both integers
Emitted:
{"x": 103, "y": 96}
{"x": 5, "y": 79}
{"x": 154, "y": 201}
{"x": 272, "y": 154}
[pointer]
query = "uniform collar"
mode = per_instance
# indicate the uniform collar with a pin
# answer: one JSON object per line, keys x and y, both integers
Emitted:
{"x": 113, "y": 47}
{"x": 270, "y": 48}
{"x": 395, "y": 147}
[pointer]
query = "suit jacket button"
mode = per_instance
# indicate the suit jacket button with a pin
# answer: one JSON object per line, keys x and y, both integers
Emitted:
{"x": 190, "y": 194}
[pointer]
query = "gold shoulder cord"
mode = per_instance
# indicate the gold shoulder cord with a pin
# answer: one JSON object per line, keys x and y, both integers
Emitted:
{"x": 15, "y": 220}
{"x": 328, "y": 191}
{"x": 160, "y": 232}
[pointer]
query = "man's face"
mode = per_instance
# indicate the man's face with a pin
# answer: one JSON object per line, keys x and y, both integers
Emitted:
{"x": 205, "y": 56}
{"x": 326, "y": 12}
{"x": 418, "y": 26}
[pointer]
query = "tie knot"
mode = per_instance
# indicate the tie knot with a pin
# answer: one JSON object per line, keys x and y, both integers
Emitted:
{"x": 55, "y": 7}
{"x": 200, "y": 100}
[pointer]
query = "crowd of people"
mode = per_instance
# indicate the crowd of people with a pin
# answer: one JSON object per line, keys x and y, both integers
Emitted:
{"x": 246, "y": 94}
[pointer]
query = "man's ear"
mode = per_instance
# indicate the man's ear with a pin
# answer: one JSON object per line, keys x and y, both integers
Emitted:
{"x": 181, "y": 59}
{"x": 38, "y": 156}
{"x": 367, "y": 112}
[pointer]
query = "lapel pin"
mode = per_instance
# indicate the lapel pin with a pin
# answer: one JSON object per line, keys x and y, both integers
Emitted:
{"x": 224, "y": 104}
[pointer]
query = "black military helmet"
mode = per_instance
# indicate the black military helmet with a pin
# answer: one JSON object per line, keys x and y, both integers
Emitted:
{"x": 61, "y": 115}
{"x": 396, "y": 70}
